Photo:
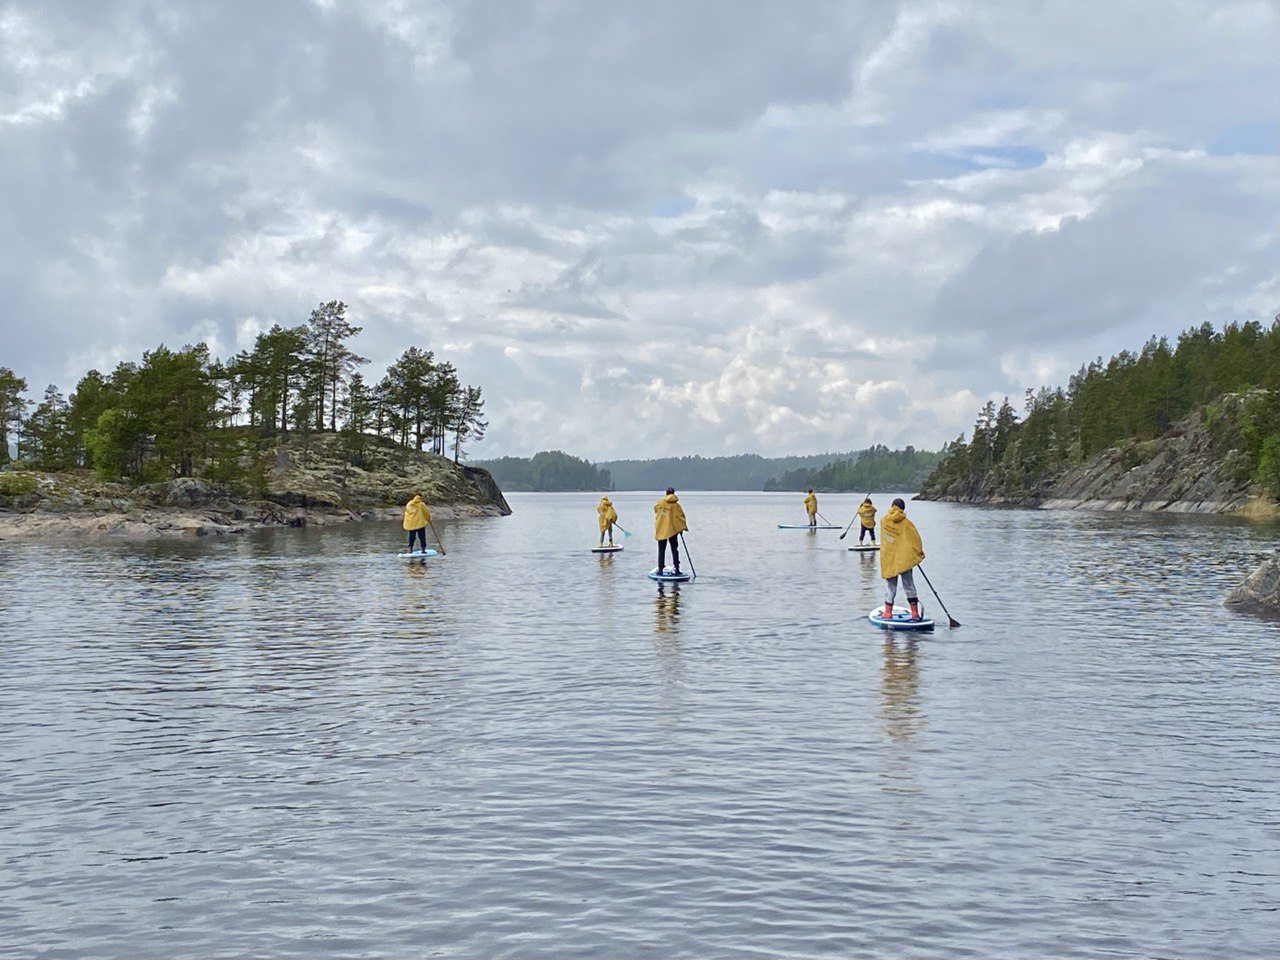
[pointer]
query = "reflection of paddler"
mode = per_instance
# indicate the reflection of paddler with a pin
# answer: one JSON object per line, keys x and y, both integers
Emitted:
{"x": 667, "y": 609}
{"x": 416, "y": 518}
{"x": 607, "y": 517}
{"x": 811, "y": 507}
{"x": 900, "y": 553}
{"x": 900, "y": 690}
{"x": 867, "y": 519}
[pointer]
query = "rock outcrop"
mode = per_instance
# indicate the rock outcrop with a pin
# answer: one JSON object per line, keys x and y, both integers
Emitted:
{"x": 307, "y": 483}
{"x": 1260, "y": 592}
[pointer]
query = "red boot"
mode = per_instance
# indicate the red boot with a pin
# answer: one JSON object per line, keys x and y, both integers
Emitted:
{"x": 915, "y": 609}
{"x": 888, "y": 611}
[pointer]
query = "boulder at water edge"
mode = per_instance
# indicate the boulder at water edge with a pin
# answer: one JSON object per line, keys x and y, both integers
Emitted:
{"x": 1260, "y": 592}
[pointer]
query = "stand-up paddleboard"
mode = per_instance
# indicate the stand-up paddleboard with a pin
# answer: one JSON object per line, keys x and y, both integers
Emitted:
{"x": 418, "y": 554}
{"x": 611, "y": 548}
{"x": 865, "y": 548}
{"x": 806, "y": 526}
{"x": 901, "y": 620}
{"x": 669, "y": 576}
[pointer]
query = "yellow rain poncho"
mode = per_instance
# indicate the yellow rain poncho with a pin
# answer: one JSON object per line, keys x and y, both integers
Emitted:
{"x": 416, "y": 514}
{"x": 867, "y": 514}
{"x": 606, "y": 513}
{"x": 811, "y": 503}
{"x": 668, "y": 518}
{"x": 900, "y": 547}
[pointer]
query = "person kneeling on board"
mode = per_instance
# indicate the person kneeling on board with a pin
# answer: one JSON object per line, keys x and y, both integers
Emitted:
{"x": 607, "y": 516}
{"x": 811, "y": 506}
{"x": 900, "y": 553}
{"x": 416, "y": 518}
{"x": 867, "y": 518}
{"x": 668, "y": 524}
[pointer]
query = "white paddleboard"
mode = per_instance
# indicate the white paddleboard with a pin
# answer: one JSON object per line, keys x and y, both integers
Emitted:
{"x": 805, "y": 526}
{"x": 612, "y": 548}
{"x": 418, "y": 554}
{"x": 865, "y": 547}
{"x": 669, "y": 576}
{"x": 901, "y": 620}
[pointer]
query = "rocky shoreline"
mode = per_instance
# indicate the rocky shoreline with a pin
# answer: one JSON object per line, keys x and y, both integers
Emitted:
{"x": 311, "y": 486}
{"x": 1260, "y": 592}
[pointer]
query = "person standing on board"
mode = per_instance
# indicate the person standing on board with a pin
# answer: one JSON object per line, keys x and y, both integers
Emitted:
{"x": 811, "y": 505}
{"x": 607, "y": 516}
{"x": 416, "y": 518}
{"x": 668, "y": 524}
{"x": 867, "y": 519}
{"x": 900, "y": 553}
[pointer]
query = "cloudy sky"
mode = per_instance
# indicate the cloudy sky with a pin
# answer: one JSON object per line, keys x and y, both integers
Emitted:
{"x": 645, "y": 228}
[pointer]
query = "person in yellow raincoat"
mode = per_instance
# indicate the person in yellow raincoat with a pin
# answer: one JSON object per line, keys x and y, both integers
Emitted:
{"x": 668, "y": 523}
{"x": 607, "y": 516}
{"x": 900, "y": 552}
{"x": 811, "y": 506}
{"x": 867, "y": 519}
{"x": 416, "y": 518}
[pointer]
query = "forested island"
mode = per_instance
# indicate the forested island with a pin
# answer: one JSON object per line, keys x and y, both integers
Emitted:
{"x": 1191, "y": 426}
{"x": 247, "y": 428}
{"x": 877, "y": 468}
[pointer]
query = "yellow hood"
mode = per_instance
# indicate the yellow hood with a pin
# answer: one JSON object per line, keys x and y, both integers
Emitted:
{"x": 668, "y": 518}
{"x": 811, "y": 502}
{"x": 900, "y": 546}
{"x": 416, "y": 514}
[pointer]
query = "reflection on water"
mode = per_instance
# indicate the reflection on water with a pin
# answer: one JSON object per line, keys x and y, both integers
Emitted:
{"x": 900, "y": 689}
{"x": 298, "y": 744}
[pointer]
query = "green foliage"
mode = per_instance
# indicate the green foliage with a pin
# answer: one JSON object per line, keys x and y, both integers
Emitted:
{"x": 547, "y": 471}
{"x": 877, "y": 468}
{"x": 13, "y": 406}
{"x": 1132, "y": 397}
{"x": 16, "y": 484}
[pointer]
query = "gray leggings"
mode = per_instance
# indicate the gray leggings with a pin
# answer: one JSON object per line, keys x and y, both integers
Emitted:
{"x": 908, "y": 584}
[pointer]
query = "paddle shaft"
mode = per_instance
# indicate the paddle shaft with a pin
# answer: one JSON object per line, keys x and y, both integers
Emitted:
{"x": 953, "y": 622}
{"x": 443, "y": 551}
{"x": 688, "y": 556}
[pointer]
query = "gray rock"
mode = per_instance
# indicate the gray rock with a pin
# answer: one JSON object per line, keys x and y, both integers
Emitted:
{"x": 1260, "y": 592}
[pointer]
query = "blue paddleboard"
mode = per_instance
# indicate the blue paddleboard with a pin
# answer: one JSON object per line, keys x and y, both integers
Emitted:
{"x": 611, "y": 548}
{"x": 668, "y": 576}
{"x": 901, "y": 620}
{"x": 805, "y": 526}
{"x": 418, "y": 554}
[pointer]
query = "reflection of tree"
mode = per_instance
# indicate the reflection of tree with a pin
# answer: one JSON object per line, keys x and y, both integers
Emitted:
{"x": 900, "y": 691}
{"x": 666, "y": 609}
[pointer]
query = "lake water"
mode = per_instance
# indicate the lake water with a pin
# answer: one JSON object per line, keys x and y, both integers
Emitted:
{"x": 293, "y": 744}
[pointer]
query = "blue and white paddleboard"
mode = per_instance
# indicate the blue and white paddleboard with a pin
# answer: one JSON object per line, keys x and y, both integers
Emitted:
{"x": 611, "y": 548}
{"x": 418, "y": 554}
{"x": 805, "y": 526}
{"x": 865, "y": 548}
{"x": 669, "y": 576}
{"x": 901, "y": 620}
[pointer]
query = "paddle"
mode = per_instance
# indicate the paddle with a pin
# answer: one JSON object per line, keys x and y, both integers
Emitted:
{"x": 625, "y": 533}
{"x": 855, "y": 517}
{"x": 953, "y": 621}
{"x": 688, "y": 556}
{"x": 444, "y": 552}
{"x": 824, "y": 520}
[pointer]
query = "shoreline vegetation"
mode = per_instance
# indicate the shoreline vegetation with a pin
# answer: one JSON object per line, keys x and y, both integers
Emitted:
{"x": 287, "y": 433}
{"x": 1191, "y": 428}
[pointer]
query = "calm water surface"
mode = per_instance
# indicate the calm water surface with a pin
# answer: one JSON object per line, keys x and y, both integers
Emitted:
{"x": 294, "y": 744}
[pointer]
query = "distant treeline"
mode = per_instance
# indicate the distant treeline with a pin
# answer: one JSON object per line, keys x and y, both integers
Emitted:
{"x": 547, "y": 471}
{"x": 181, "y": 413}
{"x": 1132, "y": 397}
{"x": 876, "y": 468}
{"x": 742, "y": 472}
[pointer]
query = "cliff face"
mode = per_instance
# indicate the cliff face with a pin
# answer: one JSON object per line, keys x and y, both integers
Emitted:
{"x": 1197, "y": 467}
{"x": 305, "y": 483}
